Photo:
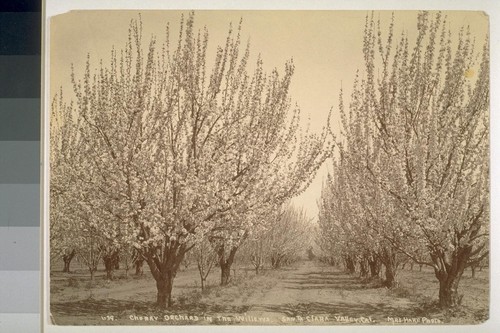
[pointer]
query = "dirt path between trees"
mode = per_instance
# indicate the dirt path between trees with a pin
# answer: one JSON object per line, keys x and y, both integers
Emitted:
{"x": 316, "y": 294}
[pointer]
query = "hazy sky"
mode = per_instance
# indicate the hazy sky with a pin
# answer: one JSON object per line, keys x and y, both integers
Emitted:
{"x": 326, "y": 47}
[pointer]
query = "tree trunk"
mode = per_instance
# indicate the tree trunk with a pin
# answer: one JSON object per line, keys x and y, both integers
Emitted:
{"x": 67, "y": 260}
{"x": 139, "y": 262}
{"x": 473, "y": 268}
{"x": 164, "y": 290}
{"x": 117, "y": 261}
{"x": 225, "y": 264}
{"x": 449, "y": 274}
{"x": 388, "y": 258}
{"x": 164, "y": 271}
{"x": 257, "y": 262}
{"x": 203, "y": 271}
{"x": 420, "y": 267}
{"x": 225, "y": 270}
{"x": 374, "y": 264}
{"x": 363, "y": 268}
{"x": 110, "y": 261}
{"x": 349, "y": 263}
{"x": 390, "y": 275}
{"x": 108, "y": 265}
{"x": 202, "y": 283}
{"x": 448, "y": 292}
{"x": 276, "y": 261}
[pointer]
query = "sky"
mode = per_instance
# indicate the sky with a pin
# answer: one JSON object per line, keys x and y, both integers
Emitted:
{"x": 326, "y": 48}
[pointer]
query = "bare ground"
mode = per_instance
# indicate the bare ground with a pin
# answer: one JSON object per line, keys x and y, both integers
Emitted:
{"x": 307, "y": 293}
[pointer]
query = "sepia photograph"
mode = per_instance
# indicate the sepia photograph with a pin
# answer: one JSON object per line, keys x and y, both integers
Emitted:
{"x": 268, "y": 167}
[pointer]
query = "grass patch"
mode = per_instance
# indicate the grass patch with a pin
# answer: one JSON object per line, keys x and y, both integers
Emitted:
{"x": 73, "y": 282}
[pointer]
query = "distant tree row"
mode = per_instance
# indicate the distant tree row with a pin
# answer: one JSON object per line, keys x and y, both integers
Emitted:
{"x": 411, "y": 178}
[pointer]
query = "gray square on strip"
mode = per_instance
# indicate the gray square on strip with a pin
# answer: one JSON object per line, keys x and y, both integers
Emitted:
{"x": 19, "y": 162}
{"x": 20, "y": 248}
{"x": 19, "y": 205}
{"x": 14, "y": 301}
{"x": 22, "y": 76}
{"x": 20, "y": 322}
{"x": 20, "y": 119}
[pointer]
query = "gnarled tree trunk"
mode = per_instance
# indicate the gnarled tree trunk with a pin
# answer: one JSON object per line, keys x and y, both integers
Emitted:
{"x": 389, "y": 260}
{"x": 374, "y": 264}
{"x": 225, "y": 263}
{"x": 448, "y": 270}
{"x": 164, "y": 285}
{"x": 110, "y": 261}
{"x": 390, "y": 275}
{"x": 164, "y": 263}
{"x": 448, "y": 292}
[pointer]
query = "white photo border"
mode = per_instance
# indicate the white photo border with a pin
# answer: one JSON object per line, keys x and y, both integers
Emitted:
{"x": 490, "y": 7}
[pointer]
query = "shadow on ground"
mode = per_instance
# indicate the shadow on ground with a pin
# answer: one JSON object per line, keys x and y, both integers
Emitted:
{"x": 340, "y": 309}
{"x": 325, "y": 280}
{"x": 93, "y": 308}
